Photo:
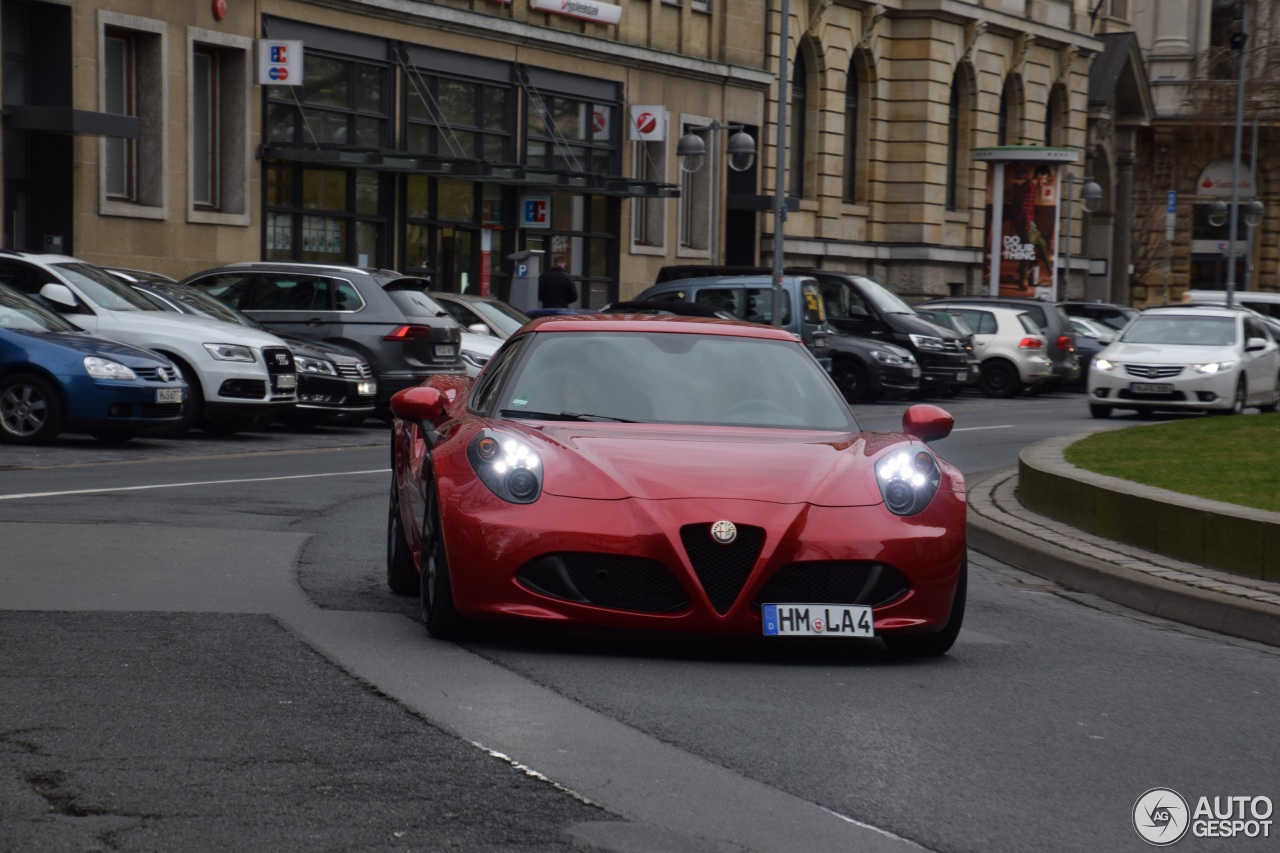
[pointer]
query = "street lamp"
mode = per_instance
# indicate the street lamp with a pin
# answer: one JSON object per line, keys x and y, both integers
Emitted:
{"x": 1238, "y": 41}
{"x": 1090, "y": 195}
{"x": 1253, "y": 213}
{"x": 692, "y": 153}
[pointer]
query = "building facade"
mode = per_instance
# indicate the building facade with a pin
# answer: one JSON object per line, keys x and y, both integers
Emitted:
{"x": 445, "y": 137}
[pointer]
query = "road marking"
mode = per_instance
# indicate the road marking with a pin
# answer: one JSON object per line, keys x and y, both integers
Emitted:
{"x": 194, "y": 483}
{"x": 974, "y": 429}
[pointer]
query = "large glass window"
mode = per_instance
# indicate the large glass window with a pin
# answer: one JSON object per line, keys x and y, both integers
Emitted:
{"x": 321, "y": 215}
{"x": 120, "y": 76}
{"x": 458, "y": 118}
{"x": 572, "y": 135}
{"x": 341, "y": 102}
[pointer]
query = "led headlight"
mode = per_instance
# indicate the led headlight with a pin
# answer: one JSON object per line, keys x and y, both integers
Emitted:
{"x": 927, "y": 342}
{"x": 885, "y": 357}
{"x": 510, "y": 468}
{"x": 908, "y": 480}
{"x": 314, "y": 365}
{"x": 105, "y": 368}
{"x": 1104, "y": 364}
{"x": 1215, "y": 367}
{"x": 229, "y": 352}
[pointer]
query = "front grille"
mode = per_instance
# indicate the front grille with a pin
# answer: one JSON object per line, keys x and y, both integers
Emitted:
{"x": 616, "y": 581}
{"x": 834, "y": 582}
{"x": 1171, "y": 397}
{"x": 161, "y": 410}
{"x": 156, "y": 374}
{"x": 722, "y": 569}
{"x": 278, "y": 360}
{"x": 355, "y": 371}
{"x": 243, "y": 389}
{"x": 1153, "y": 371}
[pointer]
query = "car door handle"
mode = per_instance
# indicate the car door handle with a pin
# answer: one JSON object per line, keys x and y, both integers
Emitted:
{"x": 314, "y": 321}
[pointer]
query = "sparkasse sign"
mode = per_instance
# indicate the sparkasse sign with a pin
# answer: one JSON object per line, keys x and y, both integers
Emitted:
{"x": 585, "y": 10}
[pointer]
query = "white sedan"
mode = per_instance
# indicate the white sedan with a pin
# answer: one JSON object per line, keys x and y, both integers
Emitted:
{"x": 1202, "y": 358}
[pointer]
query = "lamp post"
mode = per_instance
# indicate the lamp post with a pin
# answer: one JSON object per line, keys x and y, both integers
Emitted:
{"x": 1253, "y": 213}
{"x": 692, "y": 151}
{"x": 1090, "y": 195}
{"x": 1238, "y": 41}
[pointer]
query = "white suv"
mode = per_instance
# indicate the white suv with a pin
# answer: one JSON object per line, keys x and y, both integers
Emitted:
{"x": 234, "y": 373}
{"x": 1206, "y": 358}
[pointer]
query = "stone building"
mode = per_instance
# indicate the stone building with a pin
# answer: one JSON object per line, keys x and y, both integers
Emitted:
{"x": 443, "y": 137}
{"x": 1190, "y": 148}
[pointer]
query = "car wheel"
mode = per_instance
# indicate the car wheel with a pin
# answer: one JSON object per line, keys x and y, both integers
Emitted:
{"x": 851, "y": 378}
{"x": 435, "y": 586}
{"x": 938, "y": 643}
{"x": 999, "y": 379}
{"x": 31, "y": 412}
{"x": 1099, "y": 411}
{"x": 402, "y": 575}
{"x": 1237, "y": 402}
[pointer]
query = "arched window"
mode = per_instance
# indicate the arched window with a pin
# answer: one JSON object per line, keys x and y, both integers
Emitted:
{"x": 1054, "y": 126}
{"x": 796, "y": 120}
{"x": 1002, "y": 118}
{"x": 953, "y": 141}
{"x": 851, "y": 92}
{"x": 1009, "y": 129}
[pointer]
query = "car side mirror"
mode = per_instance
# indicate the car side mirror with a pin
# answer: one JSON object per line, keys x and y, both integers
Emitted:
{"x": 927, "y": 423}
{"x": 420, "y": 404}
{"x": 60, "y": 295}
{"x": 478, "y": 328}
{"x": 1255, "y": 344}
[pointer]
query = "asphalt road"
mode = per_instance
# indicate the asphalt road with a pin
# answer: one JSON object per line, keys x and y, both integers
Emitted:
{"x": 201, "y": 653}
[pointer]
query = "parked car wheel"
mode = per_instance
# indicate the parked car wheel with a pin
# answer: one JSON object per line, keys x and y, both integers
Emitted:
{"x": 1100, "y": 411}
{"x": 941, "y": 642}
{"x": 851, "y": 378}
{"x": 1237, "y": 402}
{"x": 31, "y": 412}
{"x": 999, "y": 379}
{"x": 402, "y": 576}
{"x": 435, "y": 587}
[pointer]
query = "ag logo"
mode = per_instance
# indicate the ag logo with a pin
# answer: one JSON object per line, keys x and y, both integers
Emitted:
{"x": 1161, "y": 816}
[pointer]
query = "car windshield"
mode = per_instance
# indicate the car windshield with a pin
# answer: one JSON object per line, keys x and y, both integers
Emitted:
{"x": 671, "y": 377}
{"x": 201, "y": 304}
{"x": 103, "y": 289}
{"x": 20, "y": 313}
{"x": 1182, "y": 329}
{"x": 885, "y": 299}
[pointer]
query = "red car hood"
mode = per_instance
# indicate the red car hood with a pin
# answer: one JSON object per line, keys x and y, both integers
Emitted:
{"x": 659, "y": 463}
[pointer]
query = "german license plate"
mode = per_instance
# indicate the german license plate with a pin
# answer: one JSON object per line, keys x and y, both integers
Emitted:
{"x": 444, "y": 350}
{"x": 168, "y": 395}
{"x": 962, "y": 375}
{"x": 366, "y": 389}
{"x": 1150, "y": 387}
{"x": 287, "y": 380}
{"x": 817, "y": 620}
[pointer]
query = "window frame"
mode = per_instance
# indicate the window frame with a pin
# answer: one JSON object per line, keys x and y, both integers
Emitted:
{"x": 148, "y": 195}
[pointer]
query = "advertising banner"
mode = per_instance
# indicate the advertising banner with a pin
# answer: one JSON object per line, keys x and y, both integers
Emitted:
{"x": 586, "y": 10}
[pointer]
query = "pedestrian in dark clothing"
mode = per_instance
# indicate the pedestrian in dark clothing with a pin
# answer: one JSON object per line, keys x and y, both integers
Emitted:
{"x": 555, "y": 288}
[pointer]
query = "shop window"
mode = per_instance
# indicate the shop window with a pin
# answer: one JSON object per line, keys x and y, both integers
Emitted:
{"x": 132, "y": 82}
{"x": 457, "y": 118}
{"x": 318, "y": 215}
{"x": 572, "y": 135}
{"x": 218, "y": 122}
{"x": 343, "y": 102}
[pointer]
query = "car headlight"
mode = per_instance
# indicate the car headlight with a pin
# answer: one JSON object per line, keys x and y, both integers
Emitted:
{"x": 105, "y": 368}
{"x": 885, "y": 357}
{"x": 1104, "y": 364}
{"x": 1214, "y": 367}
{"x": 510, "y": 468}
{"x": 927, "y": 342}
{"x": 474, "y": 359}
{"x": 229, "y": 352}
{"x": 314, "y": 365}
{"x": 908, "y": 480}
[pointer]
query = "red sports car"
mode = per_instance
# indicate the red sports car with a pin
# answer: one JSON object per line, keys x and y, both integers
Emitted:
{"x": 672, "y": 473}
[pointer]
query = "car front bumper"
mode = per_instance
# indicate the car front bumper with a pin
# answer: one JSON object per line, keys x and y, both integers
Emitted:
{"x": 1187, "y": 390}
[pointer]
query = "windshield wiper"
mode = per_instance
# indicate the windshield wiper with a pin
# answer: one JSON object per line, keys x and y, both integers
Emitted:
{"x": 561, "y": 416}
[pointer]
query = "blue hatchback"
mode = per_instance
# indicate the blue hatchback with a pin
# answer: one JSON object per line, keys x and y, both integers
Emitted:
{"x": 54, "y": 377}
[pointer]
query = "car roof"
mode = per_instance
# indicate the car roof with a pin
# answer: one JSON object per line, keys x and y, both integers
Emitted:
{"x": 656, "y": 323}
{"x": 1200, "y": 310}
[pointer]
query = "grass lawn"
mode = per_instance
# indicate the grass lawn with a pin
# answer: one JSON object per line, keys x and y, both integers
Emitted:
{"x": 1232, "y": 459}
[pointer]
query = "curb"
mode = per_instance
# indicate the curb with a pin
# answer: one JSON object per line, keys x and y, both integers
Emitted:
{"x": 1000, "y": 527}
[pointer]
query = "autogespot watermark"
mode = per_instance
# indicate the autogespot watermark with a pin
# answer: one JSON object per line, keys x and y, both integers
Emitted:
{"x": 1162, "y": 817}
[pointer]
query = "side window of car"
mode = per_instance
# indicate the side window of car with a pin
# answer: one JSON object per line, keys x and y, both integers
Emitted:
{"x": 671, "y": 296}
{"x": 231, "y": 288}
{"x": 759, "y": 306}
{"x": 345, "y": 296}
{"x": 280, "y": 292}
{"x": 1029, "y": 325}
{"x": 719, "y": 299}
{"x": 1253, "y": 329}
{"x": 22, "y": 277}
{"x": 495, "y": 374}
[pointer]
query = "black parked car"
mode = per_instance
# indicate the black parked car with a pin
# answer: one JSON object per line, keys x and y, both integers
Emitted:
{"x": 348, "y": 306}
{"x": 1115, "y": 316}
{"x": 860, "y": 306}
{"x": 335, "y": 384}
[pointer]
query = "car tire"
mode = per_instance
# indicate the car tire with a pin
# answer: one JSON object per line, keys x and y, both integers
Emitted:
{"x": 940, "y": 642}
{"x": 999, "y": 378}
{"x": 851, "y": 378}
{"x": 31, "y": 409}
{"x": 435, "y": 587}
{"x": 402, "y": 575}
{"x": 1099, "y": 411}
{"x": 1237, "y": 402}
